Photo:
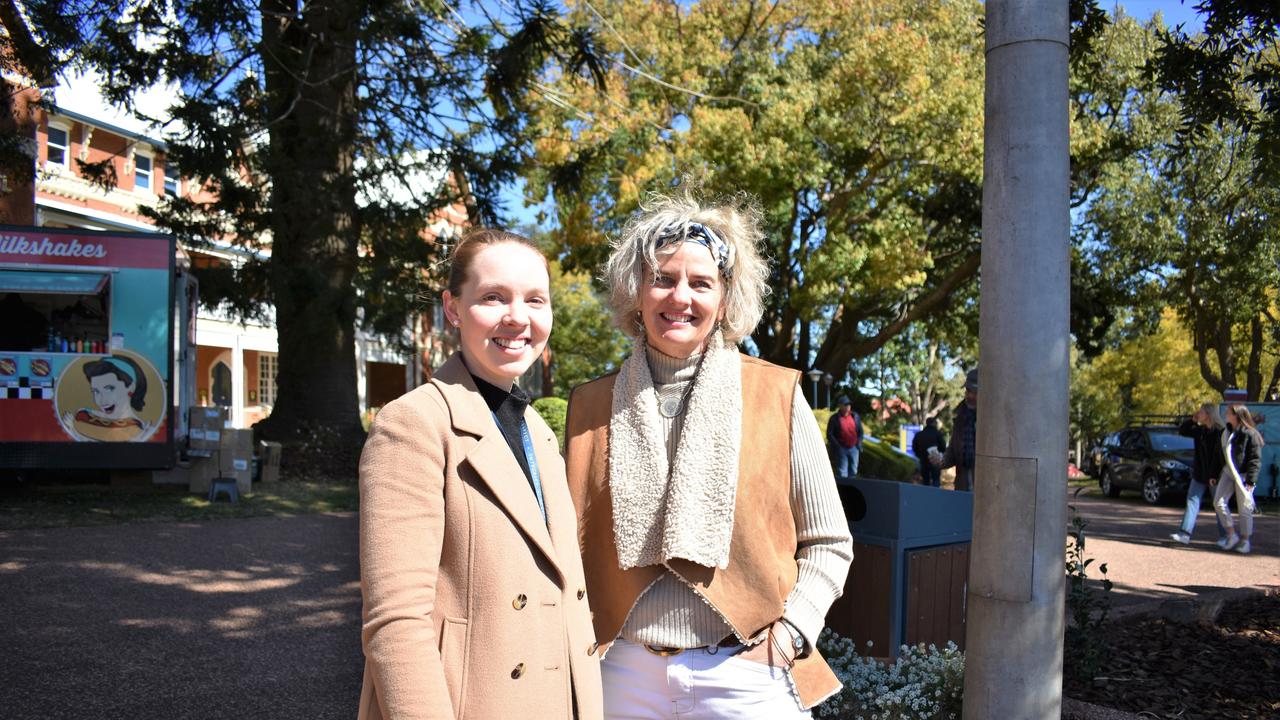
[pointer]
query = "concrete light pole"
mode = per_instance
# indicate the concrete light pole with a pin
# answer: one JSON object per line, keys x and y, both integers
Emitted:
{"x": 1013, "y": 665}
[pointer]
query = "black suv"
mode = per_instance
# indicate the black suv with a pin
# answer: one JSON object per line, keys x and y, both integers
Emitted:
{"x": 1153, "y": 459}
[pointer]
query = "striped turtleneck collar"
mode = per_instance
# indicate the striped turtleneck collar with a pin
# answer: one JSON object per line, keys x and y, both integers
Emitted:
{"x": 666, "y": 369}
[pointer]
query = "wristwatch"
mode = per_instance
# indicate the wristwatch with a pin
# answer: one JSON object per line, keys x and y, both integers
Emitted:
{"x": 798, "y": 643}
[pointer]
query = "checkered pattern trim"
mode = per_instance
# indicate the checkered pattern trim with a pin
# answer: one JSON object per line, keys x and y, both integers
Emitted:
{"x": 23, "y": 388}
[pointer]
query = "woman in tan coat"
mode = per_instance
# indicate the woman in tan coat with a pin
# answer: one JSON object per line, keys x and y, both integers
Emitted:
{"x": 474, "y": 598}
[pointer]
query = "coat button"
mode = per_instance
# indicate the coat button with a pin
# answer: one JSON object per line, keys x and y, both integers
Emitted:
{"x": 520, "y": 601}
{"x": 591, "y": 649}
{"x": 517, "y": 671}
{"x": 582, "y": 592}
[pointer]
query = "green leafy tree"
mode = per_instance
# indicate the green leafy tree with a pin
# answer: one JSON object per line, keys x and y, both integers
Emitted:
{"x": 856, "y": 125}
{"x": 1150, "y": 374}
{"x": 584, "y": 343}
{"x": 1228, "y": 75}
{"x": 1168, "y": 220}
{"x": 329, "y": 133}
{"x": 1198, "y": 235}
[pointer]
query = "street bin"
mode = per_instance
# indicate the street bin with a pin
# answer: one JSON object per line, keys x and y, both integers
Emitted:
{"x": 910, "y": 565}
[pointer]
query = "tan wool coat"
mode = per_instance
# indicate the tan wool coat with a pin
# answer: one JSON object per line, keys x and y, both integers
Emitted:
{"x": 473, "y": 606}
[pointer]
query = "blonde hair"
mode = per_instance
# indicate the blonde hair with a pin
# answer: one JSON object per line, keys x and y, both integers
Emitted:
{"x": 1215, "y": 419}
{"x": 737, "y": 221}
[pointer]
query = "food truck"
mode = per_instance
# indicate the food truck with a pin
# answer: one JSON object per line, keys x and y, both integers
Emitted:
{"x": 87, "y": 349}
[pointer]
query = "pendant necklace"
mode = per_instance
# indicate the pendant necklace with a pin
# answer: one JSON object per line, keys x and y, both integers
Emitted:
{"x": 673, "y": 406}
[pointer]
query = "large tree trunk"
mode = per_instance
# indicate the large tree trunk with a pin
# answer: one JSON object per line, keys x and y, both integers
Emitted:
{"x": 309, "y": 55}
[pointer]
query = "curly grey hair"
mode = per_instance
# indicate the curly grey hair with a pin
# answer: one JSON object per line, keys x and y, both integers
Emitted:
{"x": 745, "y": 274}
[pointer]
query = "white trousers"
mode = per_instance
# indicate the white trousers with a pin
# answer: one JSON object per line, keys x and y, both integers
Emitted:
{"x": 1244, "y": 503}
{"x": 694, "y": 685}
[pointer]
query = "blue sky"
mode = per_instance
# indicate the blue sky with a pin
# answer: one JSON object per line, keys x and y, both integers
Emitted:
{"x": 1174, "y": 12}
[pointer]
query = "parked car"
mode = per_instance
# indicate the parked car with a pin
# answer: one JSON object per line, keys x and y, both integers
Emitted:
{"x": 1154, "y": 460}
{"x": 1096, "y": 459}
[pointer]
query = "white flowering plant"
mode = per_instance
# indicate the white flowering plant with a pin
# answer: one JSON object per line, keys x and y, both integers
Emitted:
{"x": 924, "y": 683}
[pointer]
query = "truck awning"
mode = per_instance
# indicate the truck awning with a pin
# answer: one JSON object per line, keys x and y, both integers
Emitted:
{"x": 51, "y": 283}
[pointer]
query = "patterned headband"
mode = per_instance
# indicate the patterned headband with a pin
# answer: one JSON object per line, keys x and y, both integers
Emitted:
{"x": 701, "y": 234}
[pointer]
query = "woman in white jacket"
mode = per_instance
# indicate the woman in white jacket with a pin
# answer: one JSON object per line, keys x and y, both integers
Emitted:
{"x": 1242, "y": 459}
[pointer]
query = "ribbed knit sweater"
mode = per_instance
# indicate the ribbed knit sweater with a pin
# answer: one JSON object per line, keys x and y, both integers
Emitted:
{"x": 671, "y": 614}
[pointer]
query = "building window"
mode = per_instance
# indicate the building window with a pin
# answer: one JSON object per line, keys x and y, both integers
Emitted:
{"x": 267, "y": 369}
{"x": 171, "y": 186}
{"x": 57, "y": 146}
{"x": 141, "y": 172}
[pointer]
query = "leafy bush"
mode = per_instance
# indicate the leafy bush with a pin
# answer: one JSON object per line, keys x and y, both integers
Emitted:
{"x": 1084, "y": 643}
{"x": 879, "y": 459}
{"x": 822, "y": 415}
{"x": 553, "y": 411}
{"x": 883, "y": 461}
{"x": 922, "y": 684}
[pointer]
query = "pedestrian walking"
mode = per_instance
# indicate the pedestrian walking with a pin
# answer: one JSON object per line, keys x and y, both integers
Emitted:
{"x": 844, "y": 438}
{"x": 712, "y": 533}
{"x": 474, "y": 600}
{"x": 1242, "y": 460}
{"x": 927, "y": 445}
{"x": 1205, "y": 430}
{"x": 962, "y": 453}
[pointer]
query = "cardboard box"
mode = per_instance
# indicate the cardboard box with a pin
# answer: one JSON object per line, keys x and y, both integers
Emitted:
{"x": 269, "y": 461}
{"x": 201, "y": 473}
{"x": 235, "y": 457}
{"x": 205, "y": 427}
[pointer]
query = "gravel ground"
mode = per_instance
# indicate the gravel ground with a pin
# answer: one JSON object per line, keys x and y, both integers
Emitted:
{"x": 259, "y": 617}
{"x": 236, "y": 618}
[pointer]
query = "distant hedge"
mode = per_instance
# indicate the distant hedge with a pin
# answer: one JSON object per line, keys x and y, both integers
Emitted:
{"x": 879, "y": 458}
{"x": 553, "y": 411}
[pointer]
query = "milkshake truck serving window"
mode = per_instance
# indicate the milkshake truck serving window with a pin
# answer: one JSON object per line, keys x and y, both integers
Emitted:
{"x": 86, "y": 347}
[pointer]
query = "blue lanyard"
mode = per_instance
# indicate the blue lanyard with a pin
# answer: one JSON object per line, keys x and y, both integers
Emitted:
{"x": 532, "y": 459}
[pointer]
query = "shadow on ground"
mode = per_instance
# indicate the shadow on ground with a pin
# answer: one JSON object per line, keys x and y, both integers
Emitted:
{"x": 240, "y": 618}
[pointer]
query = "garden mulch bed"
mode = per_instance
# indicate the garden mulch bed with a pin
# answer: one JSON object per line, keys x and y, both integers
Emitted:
{"x": 1186, "y": 669}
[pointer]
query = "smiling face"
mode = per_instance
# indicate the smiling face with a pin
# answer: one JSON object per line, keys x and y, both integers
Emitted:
{"x": 682, "y": 300}
{"x": 111, "y": 395}
{"x": 503, "y": 312}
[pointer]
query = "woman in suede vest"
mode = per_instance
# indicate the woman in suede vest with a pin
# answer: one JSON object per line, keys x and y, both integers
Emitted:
{"x": 712, "y": 534}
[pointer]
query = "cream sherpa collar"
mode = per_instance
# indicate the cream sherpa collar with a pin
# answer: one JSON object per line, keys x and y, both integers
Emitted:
{"x": 683, "y": 509}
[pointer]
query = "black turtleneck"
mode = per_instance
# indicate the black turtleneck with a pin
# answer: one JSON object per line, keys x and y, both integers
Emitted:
{"x": 509, "y": 408}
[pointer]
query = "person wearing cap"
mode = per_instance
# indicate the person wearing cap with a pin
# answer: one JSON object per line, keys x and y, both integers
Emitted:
{"x": 844, "y": 436}
{"x": 711, "y": 529}
{"x": 962, "y": 453}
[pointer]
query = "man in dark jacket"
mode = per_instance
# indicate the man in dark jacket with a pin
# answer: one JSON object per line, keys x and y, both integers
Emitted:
{"x": 926, "y": 443}
{"x": 1205, "y": 429}
{"x": 962, "y": 453}
{"x": 844, "y": 436}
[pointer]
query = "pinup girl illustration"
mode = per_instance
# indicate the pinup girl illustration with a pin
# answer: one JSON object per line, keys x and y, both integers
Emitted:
{"x": 119, "y": 388}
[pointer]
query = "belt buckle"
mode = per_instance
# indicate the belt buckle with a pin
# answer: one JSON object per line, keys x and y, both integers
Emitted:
{"x": 663, "y": 651}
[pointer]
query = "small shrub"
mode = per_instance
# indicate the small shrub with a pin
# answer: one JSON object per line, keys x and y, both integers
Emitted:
{"x": 882, "y": 461}
{"x": 922, "y": 684}
{"x": 553, "y": 411}
{"x": 1084, "y": 644}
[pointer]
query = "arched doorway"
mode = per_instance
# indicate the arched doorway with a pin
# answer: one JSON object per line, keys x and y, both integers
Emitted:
{"x": 220, "y": 390}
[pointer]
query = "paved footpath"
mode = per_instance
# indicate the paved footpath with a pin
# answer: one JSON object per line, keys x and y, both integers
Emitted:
{"x": 251, "y": 618}
{"x": 1145, "y": 565}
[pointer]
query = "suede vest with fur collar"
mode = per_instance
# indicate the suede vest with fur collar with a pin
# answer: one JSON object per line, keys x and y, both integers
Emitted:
{"x": 751, "y": 592}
